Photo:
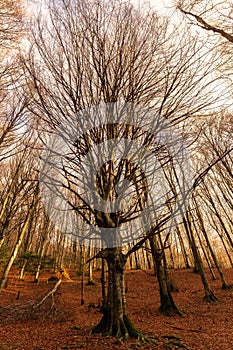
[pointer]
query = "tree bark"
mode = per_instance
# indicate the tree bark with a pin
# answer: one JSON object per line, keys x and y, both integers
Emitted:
{"x": 115, "y": 321}
{"x": 82, "y": 257}
{"x": 90, "y": 269}
{"x": 167, "y": 304}
{"x": 209, "y": 295}
{"x": 103, "y": 285}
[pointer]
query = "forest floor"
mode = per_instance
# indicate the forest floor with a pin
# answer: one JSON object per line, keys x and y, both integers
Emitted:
{"x": 68, "y": 324}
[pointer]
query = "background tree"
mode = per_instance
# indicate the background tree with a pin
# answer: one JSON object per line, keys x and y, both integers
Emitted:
{"x": 21, "y": 203}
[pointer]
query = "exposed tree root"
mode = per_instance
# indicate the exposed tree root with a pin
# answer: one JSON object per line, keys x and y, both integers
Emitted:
{"x": 227, "y": 286}
{"x": 168, "y": 306}
{"x": 125, "y": 328}
{"x": 210, "y": 297}
{"x": 172, "y": 341}
{"x": 171, "y": 311}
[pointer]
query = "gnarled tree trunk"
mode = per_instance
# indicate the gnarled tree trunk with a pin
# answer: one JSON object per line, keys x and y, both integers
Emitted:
{"x": 115, "y": 321}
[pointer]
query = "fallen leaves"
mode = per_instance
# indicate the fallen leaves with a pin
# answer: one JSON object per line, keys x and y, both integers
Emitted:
{"x": 204, "y": 326}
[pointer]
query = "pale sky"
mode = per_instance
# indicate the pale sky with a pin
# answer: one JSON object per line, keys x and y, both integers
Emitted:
{"x": 161, "y": 5}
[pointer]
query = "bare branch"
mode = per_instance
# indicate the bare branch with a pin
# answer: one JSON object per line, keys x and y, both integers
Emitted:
{"x": 205, "y": 25}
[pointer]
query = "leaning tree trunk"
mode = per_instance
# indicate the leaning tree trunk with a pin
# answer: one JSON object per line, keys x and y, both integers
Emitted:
{"x": 183, "y": 249}
{"x": 209, "y": 295}
{"x": 115, "y": 321}
{"x": 27, "y": 247}
{"x": 214, "y": 257}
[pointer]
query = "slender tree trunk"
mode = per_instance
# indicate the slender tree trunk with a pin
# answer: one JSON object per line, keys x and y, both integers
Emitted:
{"x": 183, "y": 250}
{"x": 2, "y": 241}
{"x": 221, "y": 221}
{"x": 82, "y": 257}
{"x": 226, "y": 250}
{"x": 22, "y": 270}
{"x": 137, "y": 267}
{"x": 209, "y": 295}
{"x": 224, "y": 284}
{"x": 42, "y": 252}
{"x": 103, "y": 285}
{"x": 131, "y": 262}
{"x": 42, "y": 247}
{"x": 167, "y": 304}
{"x": 153, "y": 253}
{"x": 148, "y": 255}
{"x": 171, "y": 257}
{"x": 204, "y": 250}
{"x": 90, "y": 272}
{"x": 18, "y": 244}
{"x": 61, "y": 251}
{"x": 215, "y": 226}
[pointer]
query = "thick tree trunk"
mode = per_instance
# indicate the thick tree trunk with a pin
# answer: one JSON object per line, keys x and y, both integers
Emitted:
{"x": 115, "y": 321}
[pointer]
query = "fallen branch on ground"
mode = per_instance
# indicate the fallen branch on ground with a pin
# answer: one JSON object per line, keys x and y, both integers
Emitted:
{"x": 50, "y": 293}
{"x": 186, "y": 330}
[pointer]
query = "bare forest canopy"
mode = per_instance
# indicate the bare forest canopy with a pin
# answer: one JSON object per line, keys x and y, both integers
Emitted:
{"x": 63, "y": 66}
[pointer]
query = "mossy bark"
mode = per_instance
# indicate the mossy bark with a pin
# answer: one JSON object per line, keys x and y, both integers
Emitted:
{"x": 115, "y": 320}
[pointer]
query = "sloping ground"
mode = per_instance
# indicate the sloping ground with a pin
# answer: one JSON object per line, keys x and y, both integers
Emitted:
{"x": 68, "y": 324}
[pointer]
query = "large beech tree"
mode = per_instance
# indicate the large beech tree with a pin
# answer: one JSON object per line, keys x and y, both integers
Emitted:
{"x": 84, "y": 53}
